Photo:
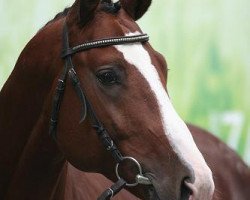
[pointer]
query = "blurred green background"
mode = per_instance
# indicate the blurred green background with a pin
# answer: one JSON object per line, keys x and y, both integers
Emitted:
{"x": 206, "y": 44}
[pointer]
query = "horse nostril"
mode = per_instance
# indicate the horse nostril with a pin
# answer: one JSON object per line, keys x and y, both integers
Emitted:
{"x": 186, "y": 191}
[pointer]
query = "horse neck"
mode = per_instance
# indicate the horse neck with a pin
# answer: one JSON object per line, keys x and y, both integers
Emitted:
{"x": 24, "y": 115}
{"x": 40, "y": 165}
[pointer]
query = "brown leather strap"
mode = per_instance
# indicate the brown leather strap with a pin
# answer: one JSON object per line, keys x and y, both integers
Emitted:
{"x": 113, "y": 190}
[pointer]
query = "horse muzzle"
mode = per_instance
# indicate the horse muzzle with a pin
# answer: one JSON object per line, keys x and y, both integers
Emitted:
{"x": 186, "y": 191}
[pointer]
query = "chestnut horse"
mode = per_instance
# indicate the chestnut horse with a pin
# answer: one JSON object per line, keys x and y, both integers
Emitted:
{"x": 125, "y": 85}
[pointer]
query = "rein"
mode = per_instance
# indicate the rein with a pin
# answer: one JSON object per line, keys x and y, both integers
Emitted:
{"x": 86, "y": 108}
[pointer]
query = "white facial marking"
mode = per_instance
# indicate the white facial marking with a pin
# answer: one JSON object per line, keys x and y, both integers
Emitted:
{"x": 175, "y": 129}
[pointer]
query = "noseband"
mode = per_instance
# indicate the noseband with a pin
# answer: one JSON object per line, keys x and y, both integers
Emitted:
{"x": 86, "y": 108}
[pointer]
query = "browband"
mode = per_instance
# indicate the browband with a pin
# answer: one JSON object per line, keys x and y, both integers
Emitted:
{"x": 104, "y": 43}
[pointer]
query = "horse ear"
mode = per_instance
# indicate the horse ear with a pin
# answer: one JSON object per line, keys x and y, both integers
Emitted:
{"x": 87, "y": 10}
{"x": 136, "y": 8}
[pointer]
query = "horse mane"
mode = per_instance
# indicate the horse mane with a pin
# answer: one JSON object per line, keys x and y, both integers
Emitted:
{"x": 107, "y": 6}
{"x": 59, "y": 15}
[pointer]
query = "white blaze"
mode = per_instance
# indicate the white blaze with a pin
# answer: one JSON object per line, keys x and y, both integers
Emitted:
{"x": 175, "y": 129}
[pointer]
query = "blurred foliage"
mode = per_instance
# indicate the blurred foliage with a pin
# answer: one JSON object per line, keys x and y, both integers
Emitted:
{"x": 206, "y": 44}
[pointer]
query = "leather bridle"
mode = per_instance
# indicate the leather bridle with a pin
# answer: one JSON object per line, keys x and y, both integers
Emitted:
{"x": 102, "y": 133}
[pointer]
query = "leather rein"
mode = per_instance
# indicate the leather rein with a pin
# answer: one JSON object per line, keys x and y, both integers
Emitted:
{"x": 86, "y": 108}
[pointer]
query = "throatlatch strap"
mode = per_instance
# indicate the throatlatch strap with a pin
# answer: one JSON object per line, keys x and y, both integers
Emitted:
{"x": 113, "y": 190}
{"x": 57, "y": 102}
{"x": 76, "y": 84}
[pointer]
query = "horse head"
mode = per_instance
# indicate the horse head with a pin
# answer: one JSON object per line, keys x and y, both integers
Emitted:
{"x": 124, "y": 84}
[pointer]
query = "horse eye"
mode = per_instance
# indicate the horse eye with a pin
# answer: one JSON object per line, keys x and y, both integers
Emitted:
{"x": 107, "y": 77}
